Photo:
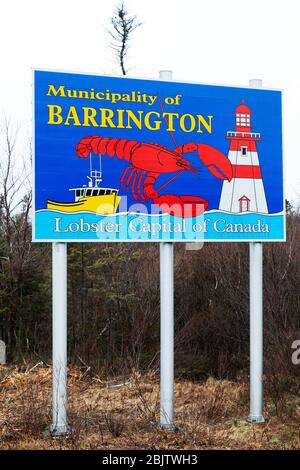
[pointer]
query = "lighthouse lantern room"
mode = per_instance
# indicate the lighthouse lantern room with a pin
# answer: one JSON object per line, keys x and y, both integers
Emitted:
{"x": 245, "y": 192}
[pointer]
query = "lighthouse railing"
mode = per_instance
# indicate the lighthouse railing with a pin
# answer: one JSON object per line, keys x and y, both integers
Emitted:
{"x": 252, "y": 135}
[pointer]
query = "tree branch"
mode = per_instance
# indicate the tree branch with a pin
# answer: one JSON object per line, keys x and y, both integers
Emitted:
{"x": 122, "y": 28}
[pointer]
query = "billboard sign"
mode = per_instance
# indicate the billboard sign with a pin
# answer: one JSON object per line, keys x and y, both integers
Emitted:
{"x": 123, "y": 159}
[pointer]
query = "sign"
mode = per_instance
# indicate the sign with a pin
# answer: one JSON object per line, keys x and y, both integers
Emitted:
{"x": 122, "y": 159}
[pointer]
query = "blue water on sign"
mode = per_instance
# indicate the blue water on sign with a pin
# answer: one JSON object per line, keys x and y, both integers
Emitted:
{"x": 213, "y": 225}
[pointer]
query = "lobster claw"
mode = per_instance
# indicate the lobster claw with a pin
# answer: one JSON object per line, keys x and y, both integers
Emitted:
{"x": 217, "y": 163}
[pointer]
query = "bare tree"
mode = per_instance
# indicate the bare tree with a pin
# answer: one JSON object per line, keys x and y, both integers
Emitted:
{"x": 15, "y": 190}
{"x": 15, "y": 230}
{"x": 122, "y": 27}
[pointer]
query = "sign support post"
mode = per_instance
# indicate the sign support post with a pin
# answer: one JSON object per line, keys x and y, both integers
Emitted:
{"x": 166, "y": 336}
{"x": 256, "y": 323}
{"x": 59, "y": 425}
{"x": 166, "y": 324}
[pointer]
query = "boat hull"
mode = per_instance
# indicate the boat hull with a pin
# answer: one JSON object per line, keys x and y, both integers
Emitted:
{"x": 106, "y": 204}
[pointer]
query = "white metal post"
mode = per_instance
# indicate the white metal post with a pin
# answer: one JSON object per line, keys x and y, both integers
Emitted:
{"x": 166, "y": 324}
{"x": 256, "y": 323}
{"x": 166, "y": 336}
{"x": 59, "y": 339}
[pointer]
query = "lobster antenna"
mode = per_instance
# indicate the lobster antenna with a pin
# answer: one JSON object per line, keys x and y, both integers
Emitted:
{"x": 91, "y": 168}
{"x": 166, "y": 120}
{"x": 192, "y": 168}
{"x": 171, "y": 179}
{"x": 100, "y": 165}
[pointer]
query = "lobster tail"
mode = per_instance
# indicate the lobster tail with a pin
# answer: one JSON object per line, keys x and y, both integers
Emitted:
{"x": 110, "y": 146}
{"x": 84, "y": 146}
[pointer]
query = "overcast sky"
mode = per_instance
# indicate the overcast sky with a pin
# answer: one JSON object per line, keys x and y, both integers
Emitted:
{"x": 207, "y": 41}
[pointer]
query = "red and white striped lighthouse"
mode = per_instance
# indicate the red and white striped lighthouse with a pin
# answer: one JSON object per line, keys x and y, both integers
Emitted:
{"x": 245, "y": 192}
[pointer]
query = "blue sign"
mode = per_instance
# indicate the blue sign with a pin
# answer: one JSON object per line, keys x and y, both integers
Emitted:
{"x": 122, "y": 159}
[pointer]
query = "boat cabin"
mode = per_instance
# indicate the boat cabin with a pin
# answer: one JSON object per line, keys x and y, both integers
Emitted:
{"x": 84, "y": 192}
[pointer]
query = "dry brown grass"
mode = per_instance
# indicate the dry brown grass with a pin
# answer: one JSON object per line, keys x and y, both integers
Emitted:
{"x": 120, "y": 414}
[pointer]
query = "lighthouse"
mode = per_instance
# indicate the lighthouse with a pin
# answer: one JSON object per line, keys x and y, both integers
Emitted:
{"x": 245, "y": 192}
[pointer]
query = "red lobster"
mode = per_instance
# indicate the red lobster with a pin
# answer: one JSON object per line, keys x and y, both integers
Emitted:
{"x": 149, "y": 160}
